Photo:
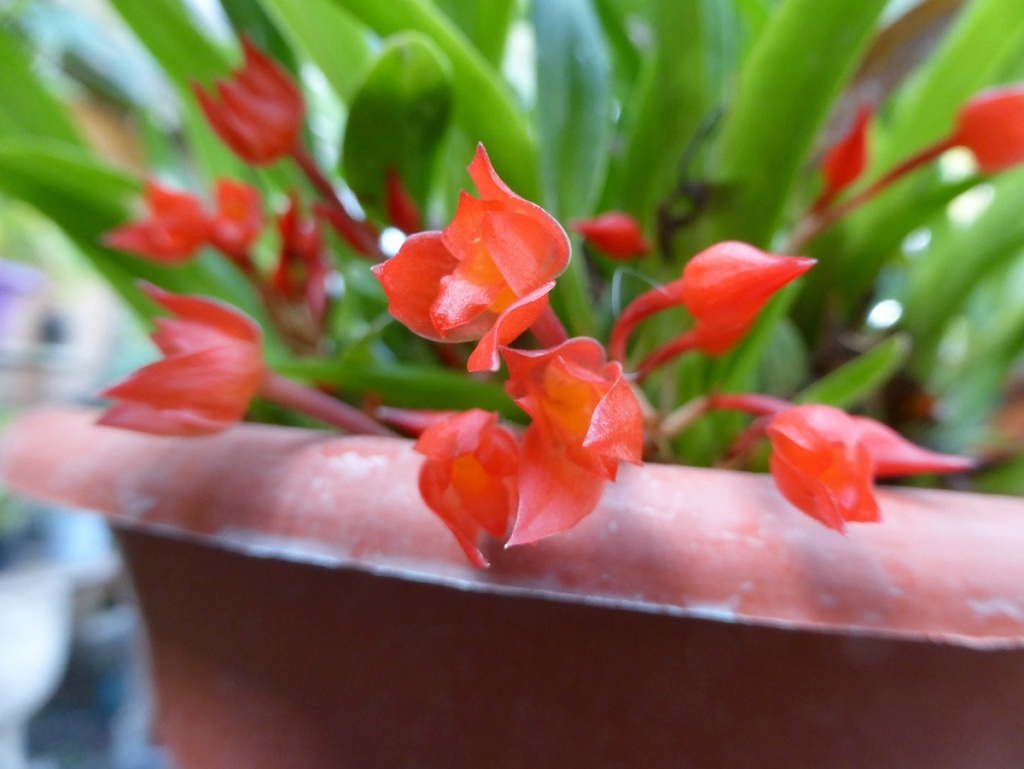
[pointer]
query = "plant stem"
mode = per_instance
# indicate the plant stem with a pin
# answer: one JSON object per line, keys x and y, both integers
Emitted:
{"x": 357, "y": 234}
{"x": 817, "y": 222}
{"x": 668, "y": 351}
{"x": 318, "y": 405}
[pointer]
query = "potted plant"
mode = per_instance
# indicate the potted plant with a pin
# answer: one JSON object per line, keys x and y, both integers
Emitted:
{"x": 742, "y": 289}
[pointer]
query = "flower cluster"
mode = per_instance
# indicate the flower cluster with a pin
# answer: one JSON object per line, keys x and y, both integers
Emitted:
{"x": 487, "y": 278}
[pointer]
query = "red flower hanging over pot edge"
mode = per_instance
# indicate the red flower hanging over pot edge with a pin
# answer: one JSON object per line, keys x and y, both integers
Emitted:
{"x": 824, "y": 462}
{"x": 585, "y": 421}
{"x": 212, "y": 369}
{"x": 469, "y": 476}
{"x": 486, "y": 276}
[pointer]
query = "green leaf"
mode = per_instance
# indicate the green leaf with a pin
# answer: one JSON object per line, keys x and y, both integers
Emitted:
{"x": 484, "y": 106}
{"x": 398, "y": 118}
{"x": 956, "y": 263}
{"x": 404, "y": 385}
{"x": 486, "y": 24}
{"x": 248, "y": 18}
{"x": 332, "y": 38}
{"x": 574, "y": 111}
{"x": 861, "y": 377}
{"x": 166, "y": 30}
{"x": 668, "y": 102}
{"x": 786, "y": 86}
{"x": 28, "y": 108}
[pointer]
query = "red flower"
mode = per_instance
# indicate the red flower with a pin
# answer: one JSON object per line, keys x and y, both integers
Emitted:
{"x": 175, "y": 231}
{"x": 824, "y": 461}
{"x": 239, "y": 218}
{"x": 844, "y": 162}
{"x": 486, "y": 276}
{"x": 991, "y": 125}
{"x": 212, "y": 370}
{"x": 302, "y": 267}
{"x": 260, "y": 112}
{"x": 469, "y": 477}
{"x": 616, "y": 233}
{"x": 723, "y": 287}
{"x": 585, "y": 421}
{"x": 403, "y": 212}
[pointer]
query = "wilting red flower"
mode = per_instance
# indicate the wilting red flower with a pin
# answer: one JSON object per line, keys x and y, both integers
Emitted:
{"x": 844, "y": 162}
{"x": 260, "y": 112}
{"x": 585, "y": 421}
{"x": 239, "y": 218}
{"x": 824, "y": 461}
{"x": 403, "y": 212}
{"x": 723, "y": 287}
{"x": 212, "y": 370}
{"x": 486, "y": 276}
{"x": 616, "y": 233}
{"x": 469, "y": 477}
{"x": 991, "y": 125}
{"x": 176, "y": 229}
{"x": 302, "y": 267}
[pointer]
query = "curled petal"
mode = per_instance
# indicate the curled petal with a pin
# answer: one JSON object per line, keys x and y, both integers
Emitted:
{"x": 507, "y": 326}
{"x": 555, "y": 493}
{"x": 216, "y": 317}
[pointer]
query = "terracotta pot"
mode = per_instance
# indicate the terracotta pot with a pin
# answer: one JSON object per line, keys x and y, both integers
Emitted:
{"x": 306, "y": 610}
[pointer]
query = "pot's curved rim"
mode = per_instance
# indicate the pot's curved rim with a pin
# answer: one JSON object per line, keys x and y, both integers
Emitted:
{"x": 692, "y": 542}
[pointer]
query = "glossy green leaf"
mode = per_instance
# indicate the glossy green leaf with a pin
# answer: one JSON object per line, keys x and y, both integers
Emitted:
{"x": 169, "y": 34}
{"x": 249, "y": 18}
{"x": 785, "y": 89}
{"x": 403, "y": 385}
{"x": 332, "y": 38}
{"x": 28, "y": 109}
{"x": 668, "y": 102}
{"x": 861, "y": 377}
{"x": 397, "y": 121}
{"x": 574, "y": 111}
{"x": 486, "y": 24}
{"x": 484, "y": 106}
{"x": 957, "y": 263}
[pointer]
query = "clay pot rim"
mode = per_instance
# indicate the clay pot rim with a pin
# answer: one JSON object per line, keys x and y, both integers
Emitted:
{"x": 712, "y": 544}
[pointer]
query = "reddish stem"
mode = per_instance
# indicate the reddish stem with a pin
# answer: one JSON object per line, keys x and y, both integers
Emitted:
{"x": 750, "y": 403}
{"x": 818, "y": 222}
{"x": 320, "y": 406}
{"x": 669, "y": 351}
{"x": 359, "y": 235}
{"x": 548, "y": 329}
{"x": 641, "y": 308}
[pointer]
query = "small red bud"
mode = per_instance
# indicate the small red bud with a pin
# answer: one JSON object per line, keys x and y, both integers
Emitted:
{"x": 616, "y": 233}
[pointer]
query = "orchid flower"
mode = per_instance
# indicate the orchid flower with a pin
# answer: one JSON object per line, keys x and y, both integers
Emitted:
{"x": 239, "y": 218}
{"x": 486, "y": 276}
{"x": 176, "y": 229}
{"x": 260, "y": 112}
{"x": 212, "y": 369}
{"x": 723, "y": 287}
{"x": 469, "y": 476}
{"x": 824, "y": 462}
{"x": 586, "y": 420}
{"x": 616, "y": 233}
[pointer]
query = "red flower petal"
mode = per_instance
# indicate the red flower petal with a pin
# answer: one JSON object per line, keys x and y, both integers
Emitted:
{"x": 845, "y": 161}
{"x": 554, "y": 492}
{"x": 895, "y": 456}
{"x": 616, "y": 233}
{"x": 991, "y": 125}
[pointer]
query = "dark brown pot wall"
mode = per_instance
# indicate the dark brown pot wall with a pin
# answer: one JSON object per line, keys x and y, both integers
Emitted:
{"x": 265, "y": 663}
